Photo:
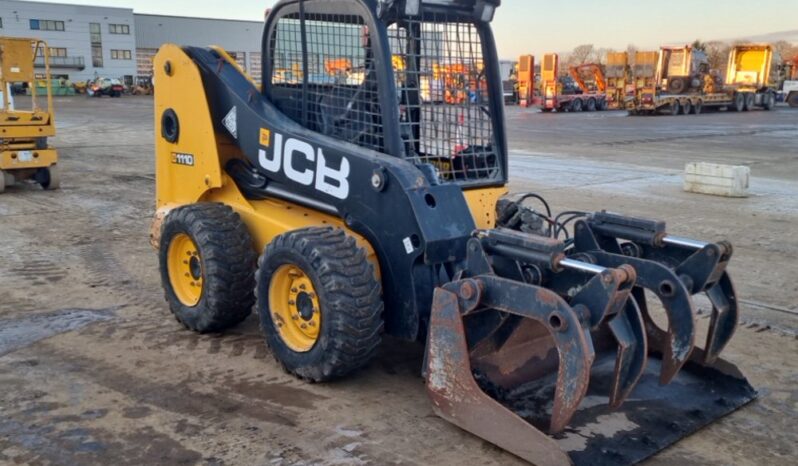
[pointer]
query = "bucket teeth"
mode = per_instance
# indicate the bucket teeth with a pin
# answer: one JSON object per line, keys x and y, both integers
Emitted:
{"x": 629, "y": 331}
{"x": 724, "y": 318}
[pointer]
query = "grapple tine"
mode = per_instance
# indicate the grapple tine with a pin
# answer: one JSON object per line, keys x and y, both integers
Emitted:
{"x": 725, "y": 315}
{"x": 678, "y": 341}
{"x": 457, "y": 397}
{"x": 628, "y": 329}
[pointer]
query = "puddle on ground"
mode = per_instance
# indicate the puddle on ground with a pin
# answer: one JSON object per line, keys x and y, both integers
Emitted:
{"x": 20, "y": 332}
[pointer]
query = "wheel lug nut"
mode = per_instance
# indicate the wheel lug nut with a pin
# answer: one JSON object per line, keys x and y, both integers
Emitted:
{"x": 294, "y": 317}
{"x": 303, "y": 326}
{"x": 291, "y": 302}
{"x": 312, "y": 324}
{"x": 293, "y": 290}
{"x": 302, "y": 287}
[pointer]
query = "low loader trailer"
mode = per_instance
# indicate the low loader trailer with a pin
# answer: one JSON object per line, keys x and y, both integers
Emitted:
{"x": 746, "y": 86}
{"x": 553, "y": 98}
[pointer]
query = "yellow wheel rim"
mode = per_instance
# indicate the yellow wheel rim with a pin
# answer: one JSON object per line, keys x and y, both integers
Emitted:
{"x": 295, "y": 309}
{"x": 184, "y": 264}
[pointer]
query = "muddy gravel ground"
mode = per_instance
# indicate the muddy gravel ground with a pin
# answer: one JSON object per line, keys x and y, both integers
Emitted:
{"x": 93, "y": 369}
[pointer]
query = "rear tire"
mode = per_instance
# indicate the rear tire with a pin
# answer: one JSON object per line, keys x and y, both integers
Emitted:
{"x": 329, "y": 283}
{"x": 675, "y": 107}
{"x": 576, "y": 105}
{"x": 677, "y": 85}
{"x": 698, "y": 107}
{"x": 769, "y": 101}
{"x": 2, "y": 182}
{"x": 739, "y": 102}
{"x": 207, "y": 266}
{"x": 792, "y": 99}
{"x": 749, "y": 101}
{"x": 687, "y": 107}
{"x": 591, "y": 105}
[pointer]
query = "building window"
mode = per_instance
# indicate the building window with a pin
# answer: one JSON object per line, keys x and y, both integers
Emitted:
{"x": 46, "y": 25}
{"x": 54, "y": 52}
{"x": 119, "y": 29}
{"x": 121, "y": 55}
{"x": 96, "y": 45}
{"x": 1, "y": 23}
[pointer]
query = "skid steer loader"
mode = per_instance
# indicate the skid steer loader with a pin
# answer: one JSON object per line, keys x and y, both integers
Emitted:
{"x": 24, "y": 151}
{"x": 344, "y": 207}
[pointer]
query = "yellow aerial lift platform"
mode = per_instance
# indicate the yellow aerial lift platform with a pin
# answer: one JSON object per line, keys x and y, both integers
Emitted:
{"x": 24, "y": 150}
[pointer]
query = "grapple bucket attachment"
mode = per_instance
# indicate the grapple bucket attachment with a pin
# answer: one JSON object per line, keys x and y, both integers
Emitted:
{"x": 559, "y": 372}
{"x": 673, "y": 269}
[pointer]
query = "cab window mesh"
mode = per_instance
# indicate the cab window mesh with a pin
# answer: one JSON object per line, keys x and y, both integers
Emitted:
{"x": 341, "y": 99}
{"x": 441, "y": 82}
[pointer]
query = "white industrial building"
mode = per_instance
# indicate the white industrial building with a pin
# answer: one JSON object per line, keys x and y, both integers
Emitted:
{"x": 93, "y": 41}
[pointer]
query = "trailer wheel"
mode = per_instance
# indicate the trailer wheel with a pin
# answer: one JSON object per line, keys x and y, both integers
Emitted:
{"x": 739, "y": 102}
{"x": 769, "y": 101}
{"x": 591, "y": 105}
{"x": 792, "y": 99}
{"x": 687, "y": 107}
{"x": 675, "y": 107}
{"x": 603, "y": 105}
{"x": 698, "y": 107}
{"x": 749, "y": 101}
{"x": 319, "y": 302}
{"x": 576, "y": 105}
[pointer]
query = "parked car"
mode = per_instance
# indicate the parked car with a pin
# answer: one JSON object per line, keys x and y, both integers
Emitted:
{"x": 105, "y": 86}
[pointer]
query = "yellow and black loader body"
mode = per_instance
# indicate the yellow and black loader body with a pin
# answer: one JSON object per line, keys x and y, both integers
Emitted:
{"x": 343, "y": 205}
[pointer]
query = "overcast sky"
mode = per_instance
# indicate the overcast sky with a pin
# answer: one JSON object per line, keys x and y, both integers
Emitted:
{"x": 532, "y": 26}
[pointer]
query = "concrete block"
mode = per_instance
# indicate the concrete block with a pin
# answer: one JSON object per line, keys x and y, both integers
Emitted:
{"x": 716, "y": 179}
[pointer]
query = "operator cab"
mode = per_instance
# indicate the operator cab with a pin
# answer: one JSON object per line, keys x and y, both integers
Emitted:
{"x": 411, "y": 79}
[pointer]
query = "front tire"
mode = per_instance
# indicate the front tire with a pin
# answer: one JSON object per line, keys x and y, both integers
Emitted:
{"x": 207, "y": 266}
{"x": 50, "y": 177}
{"x": 319, "y": 302}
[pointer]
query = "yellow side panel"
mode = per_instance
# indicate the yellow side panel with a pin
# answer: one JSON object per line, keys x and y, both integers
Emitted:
{"x": 268, "y": 218}
{"x": 182, "y": 91}
{"x": 482, "y": 203}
